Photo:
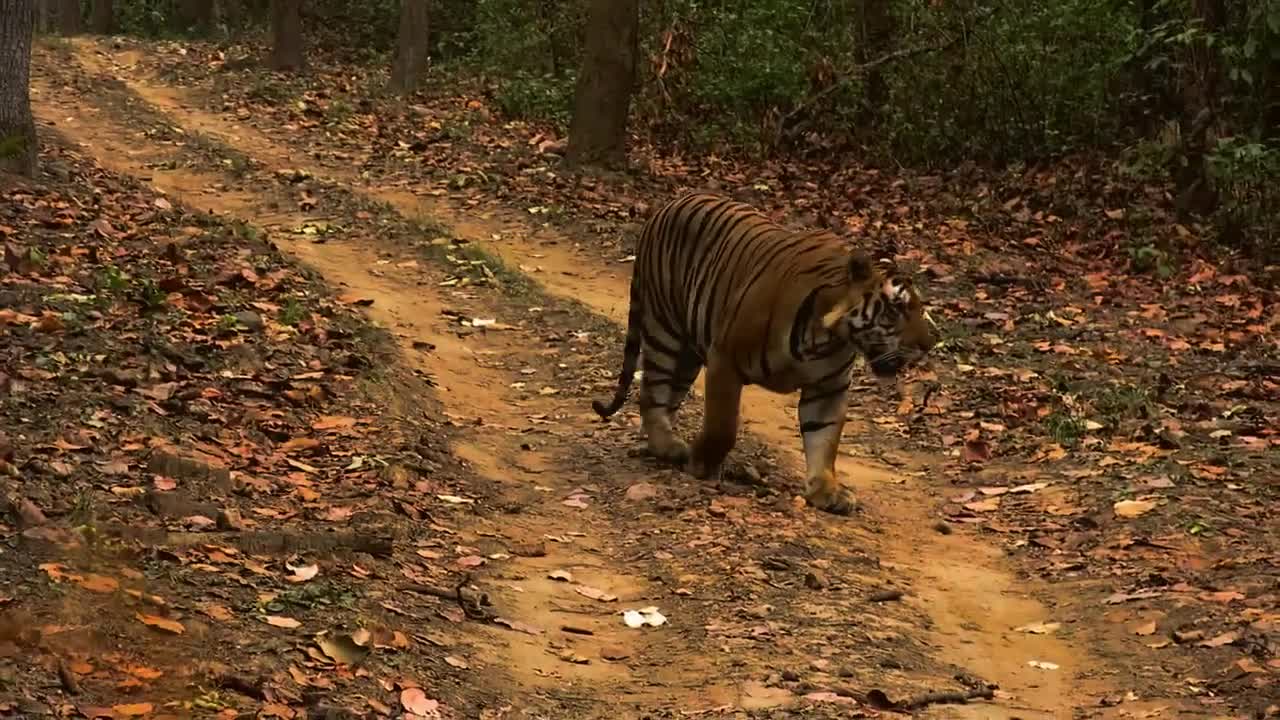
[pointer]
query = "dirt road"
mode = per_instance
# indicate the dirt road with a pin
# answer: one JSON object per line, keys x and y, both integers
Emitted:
{"x": 770, "y": 606}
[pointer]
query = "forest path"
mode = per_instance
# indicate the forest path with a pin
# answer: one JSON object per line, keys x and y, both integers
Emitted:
{"x": 744, "y": 629}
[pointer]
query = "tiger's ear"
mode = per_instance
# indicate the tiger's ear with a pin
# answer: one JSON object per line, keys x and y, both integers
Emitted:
{"x": 860, "y": 267}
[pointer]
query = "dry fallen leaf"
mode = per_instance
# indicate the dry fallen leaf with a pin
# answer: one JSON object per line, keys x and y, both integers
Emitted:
{"x": 155, "y": 621}
{"x": 281, "y": 621}
{"x": 1039, "y": 628}
{"x": 976, "y": 451}
{"x": 99, "y": 583}
{"x": 988, "y": 505}
{"x": 342, "y": 648}
{"x": 517, "y": 625}
{"x": 1133, "y": 508}
{"x": 1147, "y": 628}
{"x": 1226, "y": 638}
{"x": 131, "y": 710}
{"x": 594, "y": 594}
{"x": 302, "y": 573}
{"x": 415, "y": 701}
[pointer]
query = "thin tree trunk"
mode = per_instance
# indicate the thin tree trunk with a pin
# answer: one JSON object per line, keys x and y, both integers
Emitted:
{"x": 286, "y": 34}
{"x": 412, "y": 46}
{"x": 602, "y": 98}
{"x": 230, "y": 13}
{"x": 876, "y": 29}
{"x": 17, "y": 126}
{"x": 69, "y": 20}
{"x": 1201, "y": 81}
{"x": 104, "y": 17}
{"x": 195, "y": 16}
{"x": 42, "y": 16}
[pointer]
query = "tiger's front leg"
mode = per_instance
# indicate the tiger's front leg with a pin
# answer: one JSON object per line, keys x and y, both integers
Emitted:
{"x": 822, "y": 411}
{"x": 719, "y": 422}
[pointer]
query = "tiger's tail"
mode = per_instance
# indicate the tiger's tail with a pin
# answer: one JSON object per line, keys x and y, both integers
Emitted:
{"x": 630, "y": 352}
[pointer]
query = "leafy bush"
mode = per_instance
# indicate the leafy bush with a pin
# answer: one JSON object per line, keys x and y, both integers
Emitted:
{"x": 1028, "y": 80}
{"x": 1246, "y": 174}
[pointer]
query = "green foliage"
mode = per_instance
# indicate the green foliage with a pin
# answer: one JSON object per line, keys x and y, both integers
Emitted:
{"x": 1246, "y": 174}
{"x": 732, "y": 69}
{"x": 12, "y": 146}
{"x": 1028, "y": 80}
{"x": 542, "y": 97}
{"x": 918, "y": 82}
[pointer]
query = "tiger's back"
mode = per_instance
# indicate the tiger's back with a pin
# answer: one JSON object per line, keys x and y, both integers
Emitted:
{"x": 713, "y": 271}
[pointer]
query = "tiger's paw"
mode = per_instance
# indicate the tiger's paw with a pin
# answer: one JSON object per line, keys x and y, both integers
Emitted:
{"x": 825, "y": 493}
{"x": 701, "y": 469}
{"x": 677, "y": 452}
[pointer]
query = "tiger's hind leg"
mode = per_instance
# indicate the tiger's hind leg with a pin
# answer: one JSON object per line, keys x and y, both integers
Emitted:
{"x": 662, "y": 391}
{"x": 719, "y": 422}
{"x": 686, "y": 373}
{"x": 822, "y": 410}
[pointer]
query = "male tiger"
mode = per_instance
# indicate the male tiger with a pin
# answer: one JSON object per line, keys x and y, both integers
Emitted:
{"x": 718, "y": 284}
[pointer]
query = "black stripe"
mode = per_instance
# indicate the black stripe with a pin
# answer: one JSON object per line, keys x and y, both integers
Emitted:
{"x": 814, "y": 426}
{"x": 649, "y": 342}
{"x": 724, "y": 280}
{"x": 800, "y": 323}
{"x": 766, "y": 265}
{"x": 765, "y": 371}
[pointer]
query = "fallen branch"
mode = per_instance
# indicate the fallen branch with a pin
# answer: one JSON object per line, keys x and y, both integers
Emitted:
{"x": 878, "y": 700}
{"x": 260, "y": 543}
{"x": 252, "y": 687}
{"x": 857, "y": 71}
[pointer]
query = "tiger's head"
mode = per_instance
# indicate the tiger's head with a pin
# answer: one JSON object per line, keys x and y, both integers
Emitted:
{"x": 881, "y": 314}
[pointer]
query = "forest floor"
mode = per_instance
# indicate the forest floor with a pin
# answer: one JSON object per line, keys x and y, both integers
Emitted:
{"x": 296, "y": 423}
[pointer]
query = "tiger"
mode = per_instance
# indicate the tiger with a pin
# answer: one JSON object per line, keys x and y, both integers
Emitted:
{"x": 719, "y": 285}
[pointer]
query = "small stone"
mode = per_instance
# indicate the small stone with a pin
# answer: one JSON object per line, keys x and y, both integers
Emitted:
{"x": 29, "y": 515}
{"x": 229, "y": 519}
{"x": 790, "y": 676}
{"x": 815, "y": 580}
{"x": 250, "y": 319}
{"x": 642, "y": 491}
{"x": 1186, "y": 636}
{"x": 758, "y": 612}
{"x": 529, "y": 549}
{"x": 123, "y": 378}
{"x": 614, "y": 652}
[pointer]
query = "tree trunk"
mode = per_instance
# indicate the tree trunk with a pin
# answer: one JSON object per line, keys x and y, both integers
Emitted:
{"x": 195, "y": 16}
{"x": 230, "y": 12}
{"x": 1201, "y": 79}
{"x": 17, "y": 126}
{"x": 69, "y": 20}
{"x": 42, "y": 16}
{"x": 876, "y": 28}
{"x": 104, "y": 17}
{"x": 602, "y": 98}
{"x": 412, "y": 46}
{"x": 286, "y": 34}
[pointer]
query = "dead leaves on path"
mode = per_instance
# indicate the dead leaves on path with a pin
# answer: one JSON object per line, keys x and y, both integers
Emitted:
{"x": 187, "y": 391}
